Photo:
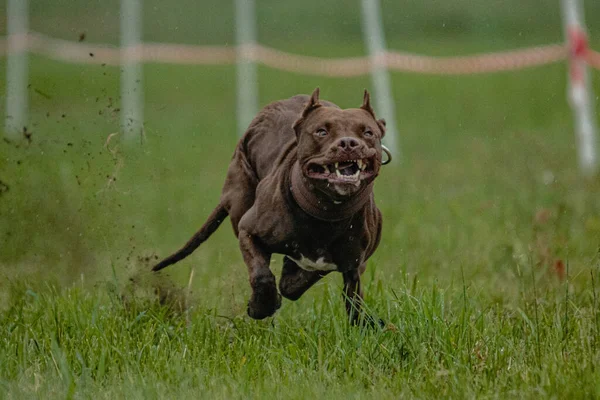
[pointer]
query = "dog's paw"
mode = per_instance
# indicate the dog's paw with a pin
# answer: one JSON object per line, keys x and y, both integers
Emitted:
{"x": 264, "y": 302}
{"x": 261, "y": 308}
{"x": 367, "y": 321}
{"x": 380, "y": 323}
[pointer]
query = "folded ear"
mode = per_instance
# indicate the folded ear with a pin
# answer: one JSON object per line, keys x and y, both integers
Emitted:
{"x": 313, "y": 104}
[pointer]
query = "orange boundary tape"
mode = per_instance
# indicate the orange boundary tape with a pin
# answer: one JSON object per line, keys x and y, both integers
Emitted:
{"x": 87, "y": 53}
{"x": 593, "y": 58}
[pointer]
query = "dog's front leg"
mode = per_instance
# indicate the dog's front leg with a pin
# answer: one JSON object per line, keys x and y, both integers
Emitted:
{"x": 353, "y": 295}
{"x": 265, "y": 299}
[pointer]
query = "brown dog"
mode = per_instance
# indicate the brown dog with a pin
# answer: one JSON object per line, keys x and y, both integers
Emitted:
{"x": 301, "y": 184}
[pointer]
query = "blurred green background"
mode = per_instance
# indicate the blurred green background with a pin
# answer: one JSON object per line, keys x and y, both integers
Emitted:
{"x": 488, "y": 185}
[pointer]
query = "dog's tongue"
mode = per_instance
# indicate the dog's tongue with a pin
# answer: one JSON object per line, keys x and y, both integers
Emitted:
{"x": 347, "y": 168}
{"x": 344, "y": 165}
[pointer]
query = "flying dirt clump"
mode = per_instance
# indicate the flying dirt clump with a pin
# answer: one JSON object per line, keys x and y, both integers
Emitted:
{"x": 145, "y": 289}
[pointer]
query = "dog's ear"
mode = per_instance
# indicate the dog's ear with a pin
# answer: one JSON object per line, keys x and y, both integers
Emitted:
{"x": 366, "y": 105}
{"x": 313, "y": 104}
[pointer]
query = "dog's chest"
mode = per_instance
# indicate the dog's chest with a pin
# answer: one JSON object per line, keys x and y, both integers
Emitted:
{"x": 319, "y": 264}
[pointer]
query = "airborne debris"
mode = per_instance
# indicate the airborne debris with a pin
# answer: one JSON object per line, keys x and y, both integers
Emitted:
{"x": 44, "y": 95}
{"x": 147, "y": 289}
{"x": 27, "y": 134}
{"x": 3, "y": 187}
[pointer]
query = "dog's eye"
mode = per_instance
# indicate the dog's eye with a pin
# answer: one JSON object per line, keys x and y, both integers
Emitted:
{"x": 368, "y": 134}
{"x": 321, "y": 133}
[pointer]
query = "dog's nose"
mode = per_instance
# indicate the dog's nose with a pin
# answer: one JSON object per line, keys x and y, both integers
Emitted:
{"x": 347, "y": 143}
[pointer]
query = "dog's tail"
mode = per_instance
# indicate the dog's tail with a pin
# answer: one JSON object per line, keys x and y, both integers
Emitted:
{"x": 211, "y": 225}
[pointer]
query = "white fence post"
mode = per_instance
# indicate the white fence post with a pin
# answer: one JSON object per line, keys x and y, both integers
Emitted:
{"x": 580, "y": 93}
{"x": 132, "y": 94}
{"x": 375, "y": 40}
{"x": 16, "y": 68}
{"x": 247, "y": 81}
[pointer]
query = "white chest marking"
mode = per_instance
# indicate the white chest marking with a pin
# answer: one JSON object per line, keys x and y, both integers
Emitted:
{"x": 309, "y": 265}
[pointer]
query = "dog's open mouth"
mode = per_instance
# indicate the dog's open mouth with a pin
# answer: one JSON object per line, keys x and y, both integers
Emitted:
{"x": 349, "y": 171}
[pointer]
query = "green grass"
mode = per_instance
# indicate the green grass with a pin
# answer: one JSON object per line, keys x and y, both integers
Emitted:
{"x": 487, "y": 273}
{"x": 444, "y": 342}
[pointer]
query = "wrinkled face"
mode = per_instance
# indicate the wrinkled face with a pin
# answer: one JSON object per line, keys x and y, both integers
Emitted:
{"x": 340, "y": 150}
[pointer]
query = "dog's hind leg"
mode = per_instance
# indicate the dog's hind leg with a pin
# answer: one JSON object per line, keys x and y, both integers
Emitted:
{"x": 295, "y": 281}
{"x": 239, "y": 190}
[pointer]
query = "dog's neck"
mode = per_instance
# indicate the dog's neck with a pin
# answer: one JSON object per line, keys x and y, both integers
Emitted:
{"x": 319, "y": 205}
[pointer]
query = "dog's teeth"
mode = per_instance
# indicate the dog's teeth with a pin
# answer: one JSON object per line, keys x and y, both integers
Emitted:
{"x": 356, "y": 178}
{"x": 336, "y": 165}
{"x": 337, "y": 172}
{"x": 360, "y": 164}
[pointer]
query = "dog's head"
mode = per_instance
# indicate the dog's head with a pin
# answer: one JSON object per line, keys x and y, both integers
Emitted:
{"x": 339, "y": 151}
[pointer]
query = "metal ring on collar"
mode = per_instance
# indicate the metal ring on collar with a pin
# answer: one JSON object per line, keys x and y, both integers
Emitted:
{"x": 388, "y": 153}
